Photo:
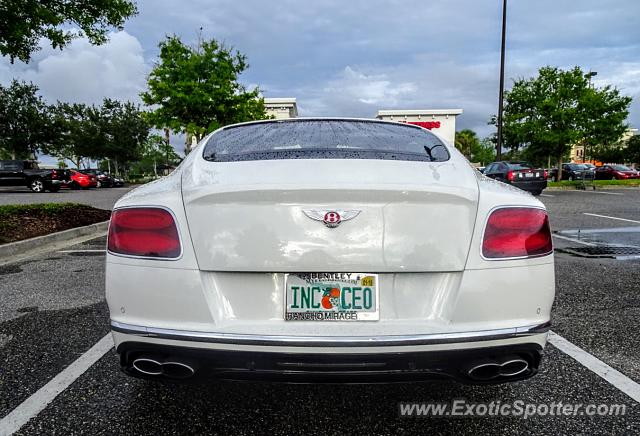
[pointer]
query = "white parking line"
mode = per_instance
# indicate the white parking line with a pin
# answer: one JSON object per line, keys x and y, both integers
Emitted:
{"x": 573, "y": 240}
{"x": 597, "y": 366}
{"x": 33, "y": 405}
{"x": 82, "y": 251}
{"x": 546, "y": 195}
{"x": 612, "y": 217}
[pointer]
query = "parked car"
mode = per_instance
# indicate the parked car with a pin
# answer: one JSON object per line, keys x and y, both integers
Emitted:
{"x": 590, "y": 166}
{"x": 103, "y": 179}
{"x": 80, "y": 180}
{"x": 572, "y": 171}
{"x": 118, "y": 182}
{"x": 619, "y": 172}
{"x": 522, "y": 175}
{"x": 329, "y": 250}
{"x": 27, "y": 173}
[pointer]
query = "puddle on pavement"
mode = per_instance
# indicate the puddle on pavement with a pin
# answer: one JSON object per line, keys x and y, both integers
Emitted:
{"x": 621, "y": 243}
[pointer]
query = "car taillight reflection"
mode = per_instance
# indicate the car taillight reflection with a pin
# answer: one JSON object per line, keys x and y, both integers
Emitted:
{"x": 146, "y": 232}
{"x": 517, "y": 232}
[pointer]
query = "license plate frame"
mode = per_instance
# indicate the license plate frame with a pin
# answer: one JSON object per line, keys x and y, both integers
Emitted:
{"x": 359, "y": 289}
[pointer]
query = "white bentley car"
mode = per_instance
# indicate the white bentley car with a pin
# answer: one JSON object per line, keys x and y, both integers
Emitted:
{"x": 329, "y": 250}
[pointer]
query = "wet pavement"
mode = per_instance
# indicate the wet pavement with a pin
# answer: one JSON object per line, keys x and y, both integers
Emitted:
{"x": 53, "y": 311}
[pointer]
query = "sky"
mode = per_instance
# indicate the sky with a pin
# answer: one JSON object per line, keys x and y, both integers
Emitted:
{"x": 352, "y": 58}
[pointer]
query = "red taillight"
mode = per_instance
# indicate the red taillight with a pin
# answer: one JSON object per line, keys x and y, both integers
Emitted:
{"x": 54, "y": 174}
{"x": 145, "y": 231}
{"x": 510, "y": 176}
{"x": 517, "y": 232}
{"x": 546, "y": 174}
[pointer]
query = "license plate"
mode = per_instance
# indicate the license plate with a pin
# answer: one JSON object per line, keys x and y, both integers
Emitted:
{"x": 528, "y": 175}
{"x": 331, "y": 297}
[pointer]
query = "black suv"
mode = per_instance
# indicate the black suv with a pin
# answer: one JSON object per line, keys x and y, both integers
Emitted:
{"x": 26, "y": 173}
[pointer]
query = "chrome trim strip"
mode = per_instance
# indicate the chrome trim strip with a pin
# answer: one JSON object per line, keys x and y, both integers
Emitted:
{"x": 330, "y": 341}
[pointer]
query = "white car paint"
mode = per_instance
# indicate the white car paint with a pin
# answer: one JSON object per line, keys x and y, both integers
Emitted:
{"x": 242, "y": 227}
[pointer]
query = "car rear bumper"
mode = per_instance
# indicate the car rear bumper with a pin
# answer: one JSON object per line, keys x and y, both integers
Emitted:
{"x": 470, "y": 357}
{"x": 531, "y": 186}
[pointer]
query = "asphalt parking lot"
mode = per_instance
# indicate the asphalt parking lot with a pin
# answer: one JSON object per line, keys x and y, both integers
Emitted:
{"x": 53, "y": 311}
{"x": 103, "y": 198}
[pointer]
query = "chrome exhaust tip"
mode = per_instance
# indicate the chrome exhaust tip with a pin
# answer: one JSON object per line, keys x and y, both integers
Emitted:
{"x": 147, "y": 366}
{"x": 484, "y": 371}
{"x": 513, "y": 367}
{"x": 177, "y": 370}
{"x": 491, "y": 370}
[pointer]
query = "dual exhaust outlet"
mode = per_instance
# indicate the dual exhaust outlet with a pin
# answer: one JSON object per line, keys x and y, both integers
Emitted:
{"x": 485, "y": 371}
{"x": 175, "y": 370}
{"x": 492, "y": 370}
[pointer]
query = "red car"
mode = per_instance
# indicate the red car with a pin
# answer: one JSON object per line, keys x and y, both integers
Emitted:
{"x": 80, "y": 180}
{"x": 620, "y": 172}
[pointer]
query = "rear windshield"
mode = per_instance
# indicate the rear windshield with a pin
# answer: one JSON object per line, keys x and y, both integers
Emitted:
{"x": 520, "y": 166}
{"x": 325, "y": 139}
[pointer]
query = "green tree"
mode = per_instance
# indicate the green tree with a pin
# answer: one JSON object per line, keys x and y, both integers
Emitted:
{"x": 24, "y": 22}
{"x": 633, "y": 150}
{"x": 79, "y": 135}
{"x": 465, "y": 141}
{"x": 549, "y": 113}
{"x": 155, "y": 151}
{"x": 196, "y": 90}
{"x": 484, "y": 152}
{"x": 114, "y": 131}
{"x": 25, "y": 121}
{"x": 124, "y": 131}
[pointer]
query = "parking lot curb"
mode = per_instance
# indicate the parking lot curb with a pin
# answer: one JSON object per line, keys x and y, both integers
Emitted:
{"x": 19, "y": 250}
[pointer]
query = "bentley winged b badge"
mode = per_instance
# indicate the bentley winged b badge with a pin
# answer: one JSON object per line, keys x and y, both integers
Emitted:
{"x": 331, "y": 217}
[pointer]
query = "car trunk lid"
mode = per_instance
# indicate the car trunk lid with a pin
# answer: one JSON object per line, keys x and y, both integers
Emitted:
{"x": 255, "y": 215}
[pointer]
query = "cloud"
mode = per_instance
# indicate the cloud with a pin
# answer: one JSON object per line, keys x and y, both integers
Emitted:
{"x": 354, "y": 58}
{"x": 86, "y": 73}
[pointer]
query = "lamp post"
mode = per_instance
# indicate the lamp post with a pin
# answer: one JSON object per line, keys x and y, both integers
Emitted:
{"x": 501, "y": 98}
{"x": 588, "y": 76}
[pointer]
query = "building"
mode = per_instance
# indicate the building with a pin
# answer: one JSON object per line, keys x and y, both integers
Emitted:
{"x": 440, "y": 121}
{"x": 281, "y": 108}
{"x": 577, "y": 150}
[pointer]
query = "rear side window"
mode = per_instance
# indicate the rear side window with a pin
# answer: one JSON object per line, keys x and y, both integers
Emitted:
{"x": 12, "y": 166}
{"x": 621, "y": 168}
{"x": 325, "y": 139}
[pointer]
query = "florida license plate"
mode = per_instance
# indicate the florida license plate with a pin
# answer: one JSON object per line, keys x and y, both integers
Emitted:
{"x": 331, "y": 297}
